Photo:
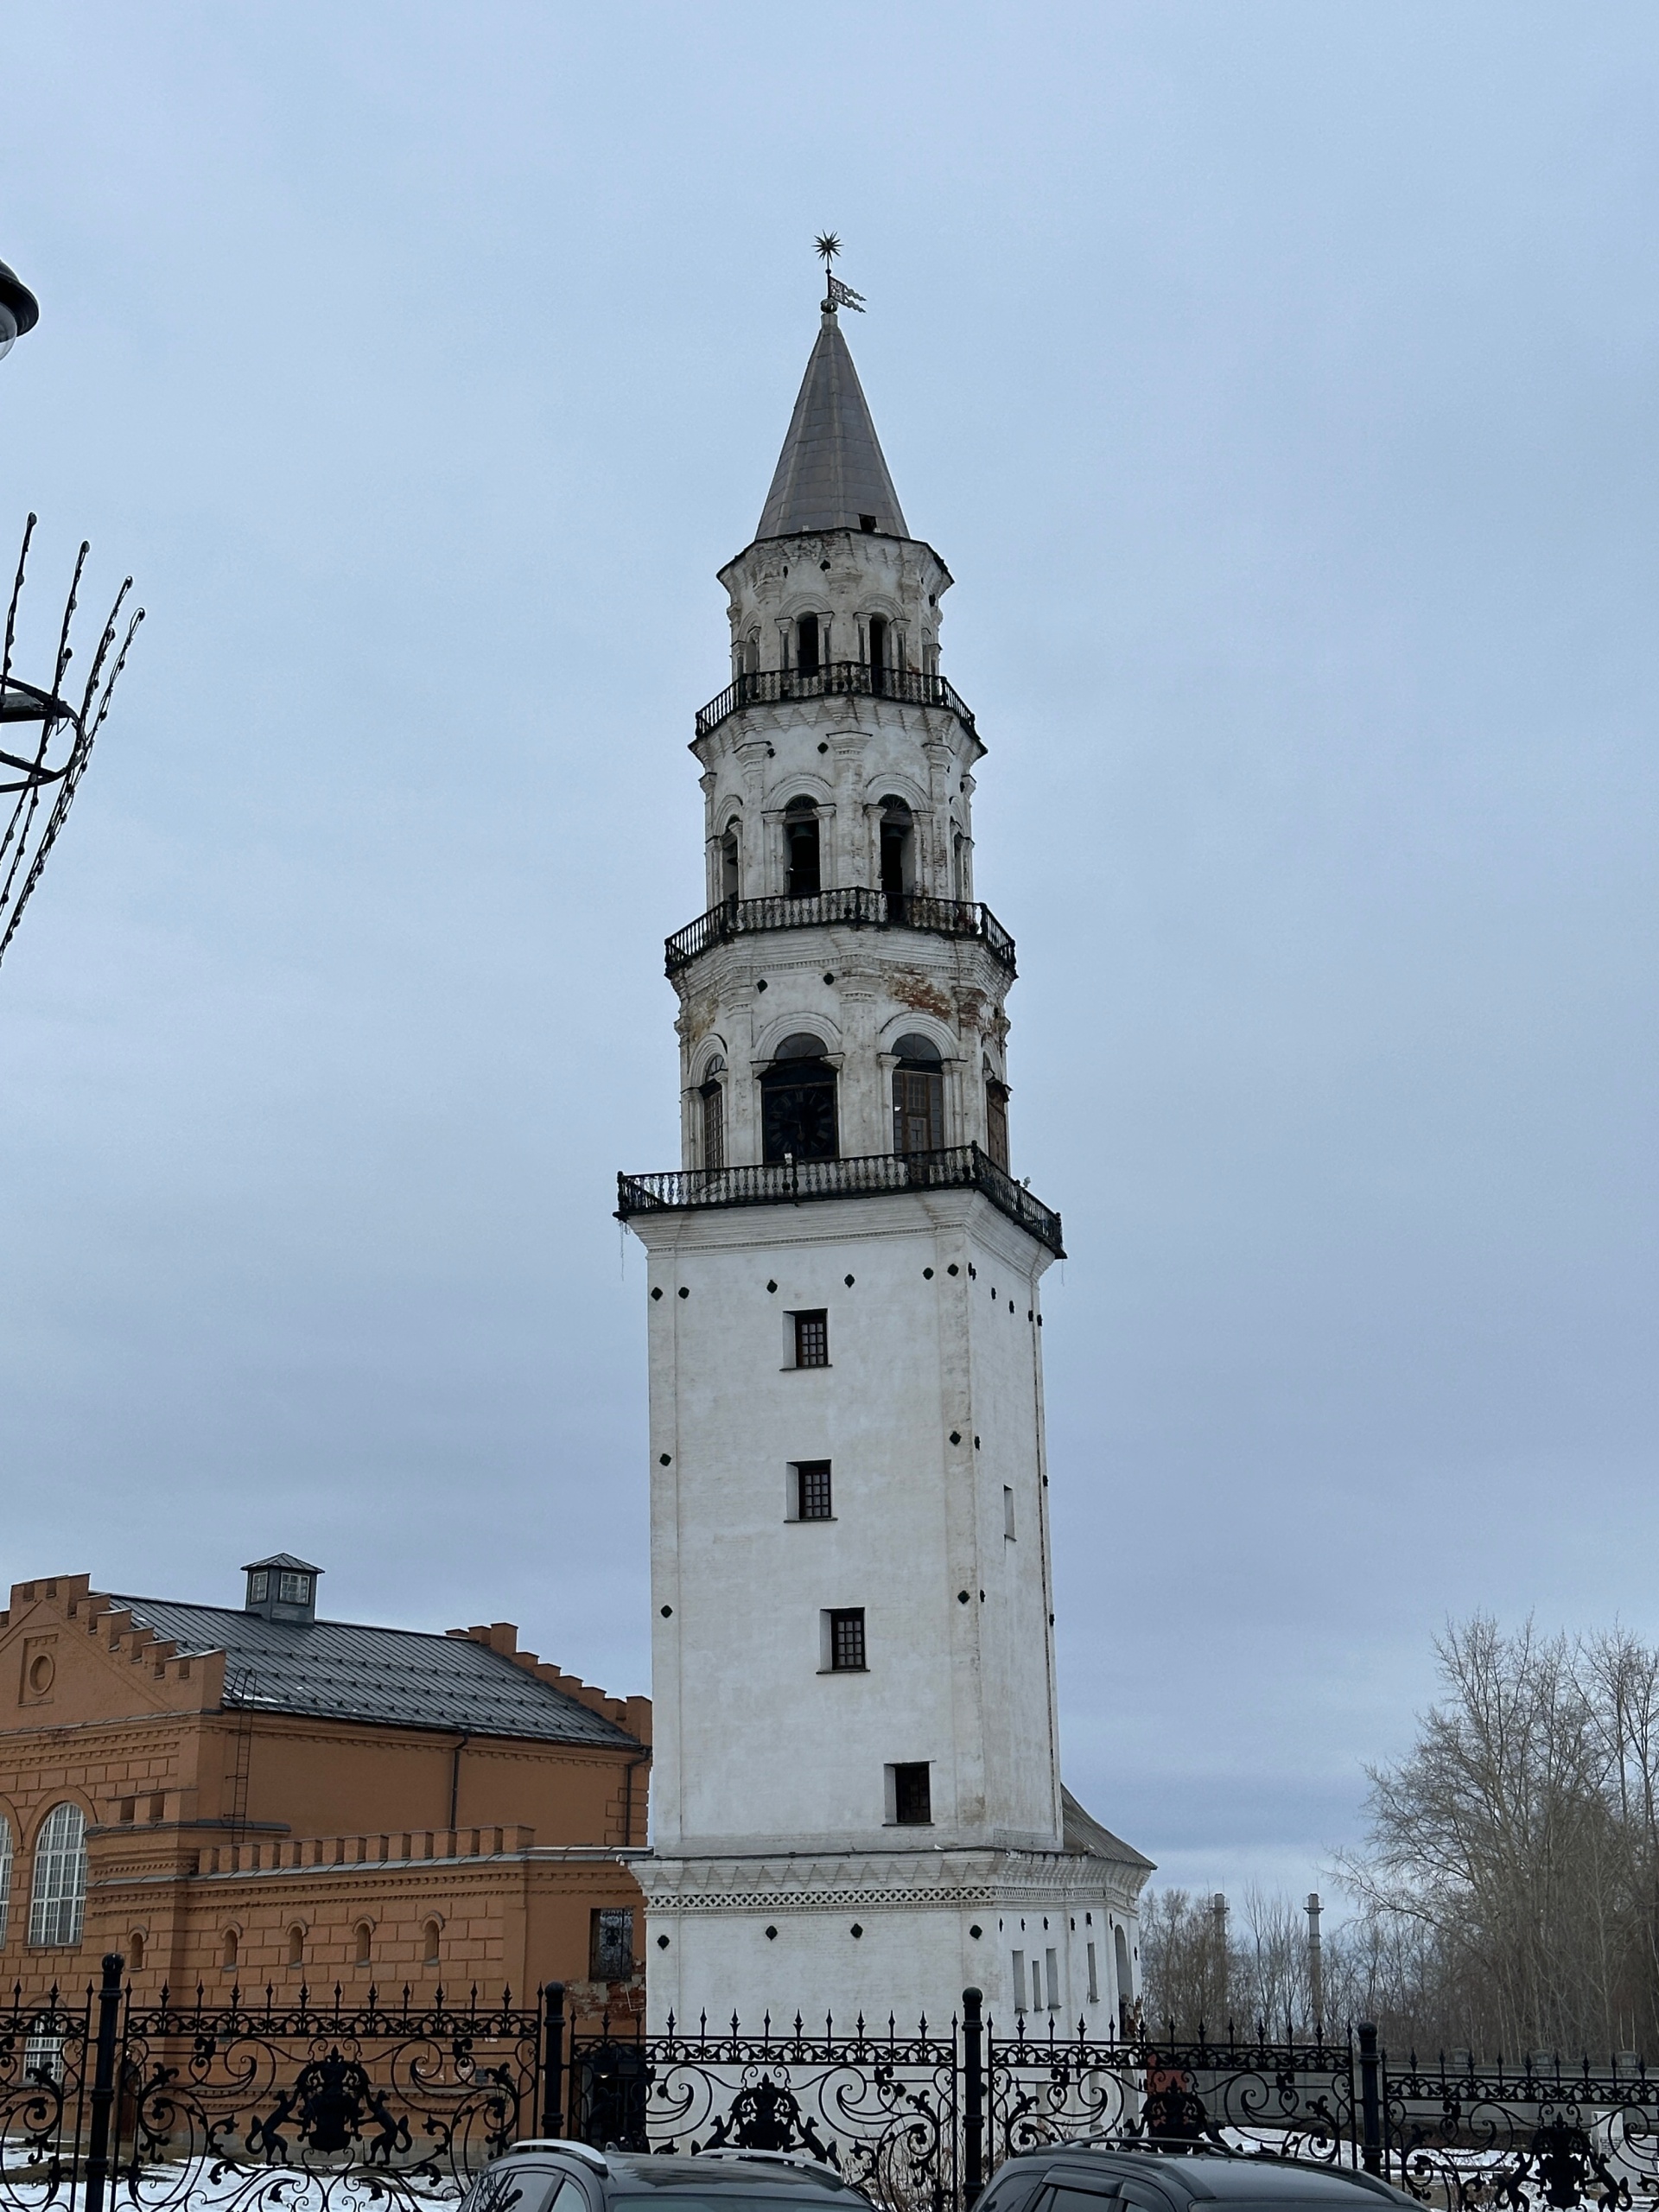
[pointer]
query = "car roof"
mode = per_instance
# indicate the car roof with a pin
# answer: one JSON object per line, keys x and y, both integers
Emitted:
{"x": 734, "y": 2172}
{"x": 1208, "y": 2175}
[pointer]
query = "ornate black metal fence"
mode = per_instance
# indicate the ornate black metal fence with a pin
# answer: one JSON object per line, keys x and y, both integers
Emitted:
{"x": 855, "y": 906}
{"x": 107, "y": 2106}
{"x": 246, "y": 2107}
{"x": 794, "y": 1182}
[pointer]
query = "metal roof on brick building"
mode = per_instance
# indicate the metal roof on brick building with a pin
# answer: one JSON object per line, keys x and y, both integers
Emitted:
{"x": 830, "y": 474}
{"x": 403, "y": 1678}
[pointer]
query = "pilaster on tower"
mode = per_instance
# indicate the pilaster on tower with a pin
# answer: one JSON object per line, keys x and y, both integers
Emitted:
{"x": 857, "y": 1795}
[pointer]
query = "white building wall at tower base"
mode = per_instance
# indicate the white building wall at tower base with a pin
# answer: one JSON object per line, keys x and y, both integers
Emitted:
{"x": 934, "y": 1338}
{"x": 880, "y": 1934}
{"x": 771, "y": 1802}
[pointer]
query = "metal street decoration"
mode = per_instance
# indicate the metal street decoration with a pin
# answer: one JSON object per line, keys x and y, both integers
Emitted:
{"x": 47, "y": 737}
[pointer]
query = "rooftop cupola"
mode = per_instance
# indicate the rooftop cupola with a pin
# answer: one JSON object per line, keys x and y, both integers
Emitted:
{"x": 830, "y": 474}
{"x": 281, "y": 1588}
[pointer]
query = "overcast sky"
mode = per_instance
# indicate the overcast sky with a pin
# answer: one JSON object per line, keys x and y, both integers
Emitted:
{"x": 1279, "y": 382}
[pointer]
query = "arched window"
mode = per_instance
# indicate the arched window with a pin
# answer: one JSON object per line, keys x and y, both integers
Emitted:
{"x": 729, "y": 874}
{"x": 229, "y": 1949}
{"x": 918, "y": 1096}
{"x": 1125, "y": 1980}
{"x": 898, "y": 850}
{"x": 806, "y": 644}
{"x": 135, "y": 1950}
{"x": 751, "y": 654}
{"x": 878, "y": 629}
{"x": 802, "y": 879}
{"x": 5, "y": 1875}
{"x": 296, "y": 1947}
{"x": 362, "y": 1944}
{"x": 959, "y": 865}
{"x": 58, "y": 1898}
{"x": 798, "y": 1103}
{"x": 996, "y": 1119}
{"x": 712, "y": 1093}
{"x": 429, "y": 1935}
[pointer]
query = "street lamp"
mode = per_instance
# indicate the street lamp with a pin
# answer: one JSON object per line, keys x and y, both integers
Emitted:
{"x": 19, "y": 309}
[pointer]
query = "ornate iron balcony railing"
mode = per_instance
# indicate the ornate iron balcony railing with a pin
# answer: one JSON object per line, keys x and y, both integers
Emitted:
{"x": 857, "y": 905}
{"x": 835, "y": 679}
{"x": 958, "y": 1167}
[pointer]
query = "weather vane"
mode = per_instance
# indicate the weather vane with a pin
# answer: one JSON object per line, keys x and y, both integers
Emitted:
{"x": 828, "y": 245}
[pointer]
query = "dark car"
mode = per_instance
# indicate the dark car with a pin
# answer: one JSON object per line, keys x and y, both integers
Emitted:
{"x": 1103, "y": 2177}
{"x": 554, "y": 2175}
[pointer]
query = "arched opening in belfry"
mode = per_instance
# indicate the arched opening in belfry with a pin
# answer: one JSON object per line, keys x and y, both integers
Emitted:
{"x": 798, "y": 1103}
{"x": 711, "y": 1094}
{"x": 1125, "y": 1980}
{"x": 802, "y": 877}
{"x": 917, "y": 1096}
{"x": 751, "y": 654}
{"x": 806, "y": 644}
{"x": 730, "y": 878}
{"x": 898, "y": 851}
{"x": 877, "y": 652}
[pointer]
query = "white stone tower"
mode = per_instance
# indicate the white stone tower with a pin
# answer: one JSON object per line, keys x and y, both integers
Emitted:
{"x": 857, "y": 1804}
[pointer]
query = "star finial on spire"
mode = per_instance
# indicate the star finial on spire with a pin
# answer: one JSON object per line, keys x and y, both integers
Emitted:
{"x": 827, "y": 245}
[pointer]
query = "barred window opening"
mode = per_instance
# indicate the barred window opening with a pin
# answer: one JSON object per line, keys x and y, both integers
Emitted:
{"x": 812, "y": 1494}
{"x": 847, "y": 1640}
{"x": 811, "y": 1338}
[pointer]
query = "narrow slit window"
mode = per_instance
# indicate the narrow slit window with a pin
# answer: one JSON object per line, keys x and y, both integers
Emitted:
{"x": 812, "y": 1492}
{"x": 1094, "y": 1978}
{"x": 714, "y": 1125}
{"x": 1019, "y": 1981}
{"x": 1008, "y": 1513}
{"x": 847, "y": 1650}
{"x": 811, "y": 1338}
{"x": 1053, "y": 1981}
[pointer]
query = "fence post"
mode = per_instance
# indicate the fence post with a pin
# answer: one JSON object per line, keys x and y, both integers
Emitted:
{"x": 973, "y": 2103}
{"x": 1370, "y": 2099}
{"x": 103, "y": 2096}
{"x": 552, "y": 2062}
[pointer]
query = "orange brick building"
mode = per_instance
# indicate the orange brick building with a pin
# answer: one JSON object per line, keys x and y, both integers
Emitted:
{"x": 252, "y": 1795}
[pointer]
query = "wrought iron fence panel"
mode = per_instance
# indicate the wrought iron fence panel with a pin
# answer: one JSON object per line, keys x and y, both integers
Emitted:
{"x": 880, "y": 2108}
{"x": 1296, "y": 2101}
{"x": 1525, "y": 2137}
{"x": 310, "y": 2107}
{"x": 45, "y": 2075}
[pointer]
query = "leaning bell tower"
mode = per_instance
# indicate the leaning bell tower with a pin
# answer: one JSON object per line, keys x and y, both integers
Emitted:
{"x": 857, "y": 1802}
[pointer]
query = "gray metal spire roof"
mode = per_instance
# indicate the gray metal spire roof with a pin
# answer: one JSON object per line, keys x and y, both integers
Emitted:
{"x": 830, "y": 472}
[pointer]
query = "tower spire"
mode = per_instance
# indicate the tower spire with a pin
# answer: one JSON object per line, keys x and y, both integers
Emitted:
{"x": 831, "y": 473}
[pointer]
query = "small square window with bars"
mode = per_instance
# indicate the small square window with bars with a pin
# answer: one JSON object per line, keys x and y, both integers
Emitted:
{"x": 611, "y": 1944}
{"x": 847, "y": 1640}
{"x": 811, "y": 1338}
{"x": 812, "y": 1492}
